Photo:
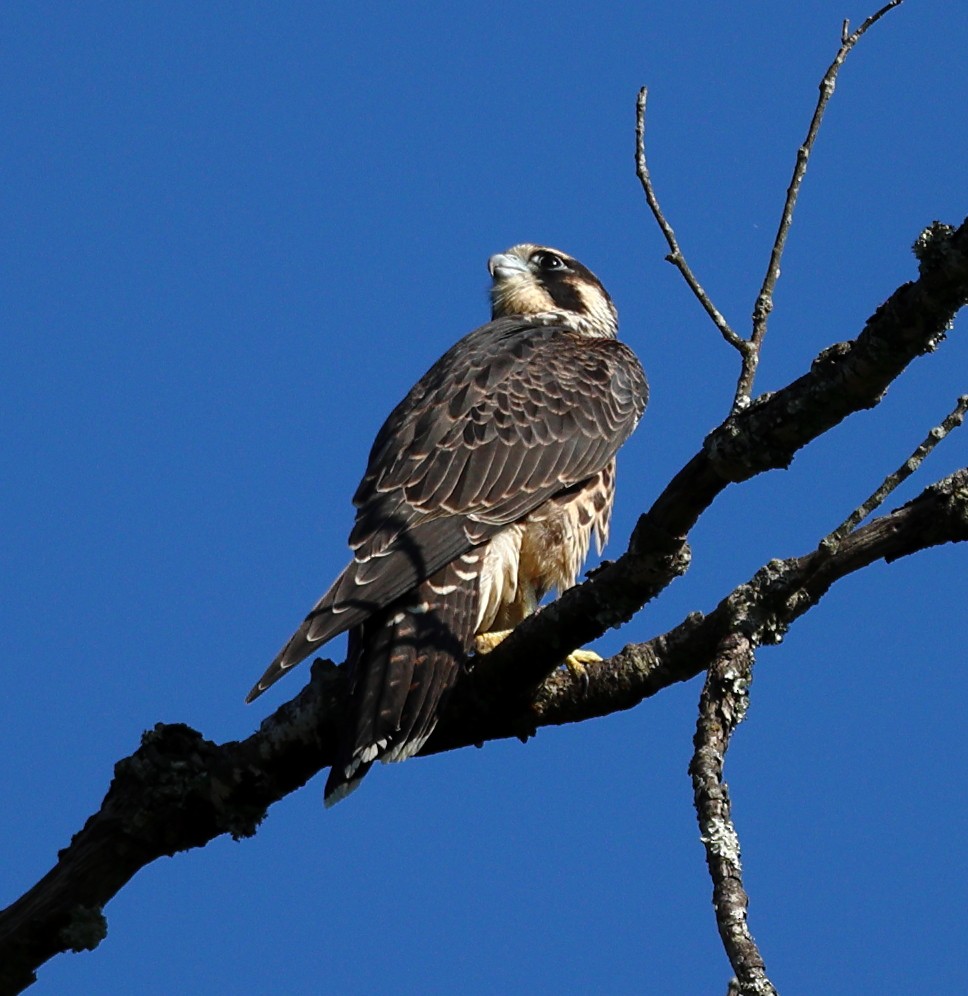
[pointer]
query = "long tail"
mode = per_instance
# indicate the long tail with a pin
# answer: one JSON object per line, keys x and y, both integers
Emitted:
{"x": 403, "y": 660}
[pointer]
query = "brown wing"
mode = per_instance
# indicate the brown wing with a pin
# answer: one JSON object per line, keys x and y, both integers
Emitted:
{"x": 510, "y": 416}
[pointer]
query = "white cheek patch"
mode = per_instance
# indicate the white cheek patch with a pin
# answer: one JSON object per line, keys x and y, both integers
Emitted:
{"x": 520, "y": 295}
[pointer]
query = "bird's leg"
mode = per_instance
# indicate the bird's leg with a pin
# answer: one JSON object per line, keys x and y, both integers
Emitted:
{"x": 484, "y": 643}
{"x": 576, "y": 661}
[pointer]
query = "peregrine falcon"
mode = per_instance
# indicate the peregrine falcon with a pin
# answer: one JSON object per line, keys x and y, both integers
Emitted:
{"x": 482, "y": 493}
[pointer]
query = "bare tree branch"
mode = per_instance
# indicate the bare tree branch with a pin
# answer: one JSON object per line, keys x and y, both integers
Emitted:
{"x": 722, "y": 706}
{"x": 749, "y": 349}
{"x": 764, "y": 300}
{"x": 952, "y": 421}
{"x": 178, "y": 790}
{"x": 763, "y": 609}
{"x": 675, "y": 255}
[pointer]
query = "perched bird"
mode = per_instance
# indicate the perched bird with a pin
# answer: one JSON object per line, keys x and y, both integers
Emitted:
{"x": 482, "y": 493}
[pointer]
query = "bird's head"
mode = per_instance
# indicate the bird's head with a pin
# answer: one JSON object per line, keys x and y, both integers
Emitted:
{"x": 549, "y": 285}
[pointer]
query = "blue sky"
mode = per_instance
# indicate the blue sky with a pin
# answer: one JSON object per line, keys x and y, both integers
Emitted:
{"x": 232, "y": 237}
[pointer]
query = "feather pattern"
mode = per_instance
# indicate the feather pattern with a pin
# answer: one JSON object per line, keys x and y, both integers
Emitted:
{"x": 403, "y": 660}
{"x": 568, "y": 403}
{"x": 482, "y": 492}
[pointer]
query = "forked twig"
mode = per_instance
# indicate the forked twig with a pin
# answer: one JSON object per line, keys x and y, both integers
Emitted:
{"x": 764, "y": 300}
{"x": 749, "y": 349}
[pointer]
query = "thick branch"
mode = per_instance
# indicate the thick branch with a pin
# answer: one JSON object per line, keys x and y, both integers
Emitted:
{"x": 763, "y": 609}
{"x": 178, "y": 790}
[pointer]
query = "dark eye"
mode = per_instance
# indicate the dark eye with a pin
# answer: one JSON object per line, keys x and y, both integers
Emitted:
{"x": 548, "y": 261}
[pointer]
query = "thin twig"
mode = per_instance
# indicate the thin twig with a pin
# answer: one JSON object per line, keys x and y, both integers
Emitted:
{"x": 890, "y": 483}
{"x": 722, "y": 705}
{"x": 764, "y": 300}
{"x": 675, "y": 255}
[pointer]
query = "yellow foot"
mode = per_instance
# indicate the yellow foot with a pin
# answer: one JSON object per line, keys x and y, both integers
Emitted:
{"x": 484, "y": 643}
{"x": 576, "y": 661}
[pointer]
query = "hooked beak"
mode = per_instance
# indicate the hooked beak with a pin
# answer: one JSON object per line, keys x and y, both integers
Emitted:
{"x": 503, "y": 265}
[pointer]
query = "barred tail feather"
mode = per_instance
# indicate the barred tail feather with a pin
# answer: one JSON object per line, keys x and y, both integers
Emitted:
{"x": 403, "y": 661}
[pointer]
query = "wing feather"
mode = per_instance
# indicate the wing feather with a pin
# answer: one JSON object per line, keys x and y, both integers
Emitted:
{"x": 512, "y": 415}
